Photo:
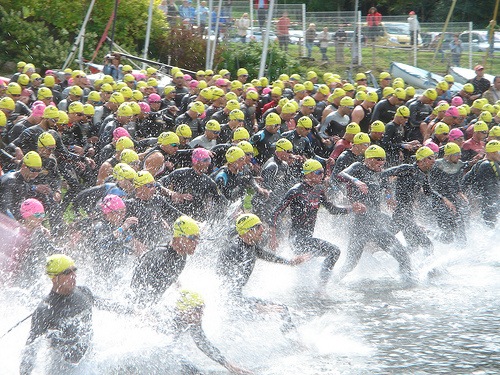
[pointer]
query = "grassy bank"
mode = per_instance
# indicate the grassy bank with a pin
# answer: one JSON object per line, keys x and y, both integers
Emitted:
{"x": 378, "y": 59}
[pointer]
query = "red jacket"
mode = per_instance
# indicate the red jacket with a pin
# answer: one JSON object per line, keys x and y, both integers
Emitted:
{"x": 373, "y": 19}
{"x": 256, "y": 4}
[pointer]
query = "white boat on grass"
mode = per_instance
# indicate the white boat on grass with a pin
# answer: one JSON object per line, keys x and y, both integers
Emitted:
{"x": 462, "y": 75}
{"x": 417, "y": 77}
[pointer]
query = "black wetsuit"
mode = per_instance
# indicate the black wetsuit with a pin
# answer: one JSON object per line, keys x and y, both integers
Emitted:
{"x": 221, "y": 116}
{"x": 264, "y": 141}
{"x": 446, "y": 177}
{"x": 365, "y": 122}
{"x": 345, "y": 159}
{"x": 234, "y": 186}
{"x": 410, "y": 182}
{"x": 14, "y": 189}
{"x": 207, "y": 200}
{"x": 87, "y": 199}
{"x": 237, "y": 262}
{"x": 109, "y": 251}
{"x": 219, "y": 151}
{"x": 383, "y": 111}
{"x": 249, "y": 113}
{"x": 225, "y": 135}
{"x": 179, "y": 159}
{"x": 67, "y": 322}
{"x": 153, "y": 214}
{"x": 488, "y": 181}
{"x": 199, "y": 337}
{"x": 16, "y": 130}
{"x": 50, "y": 176}
{"x": 301, "y": 145}
{"x": 278, "y": 179}
{"x": 392, "y": 142}
{"x": 210, "y": 111}
{"x": 418, "y": 113}
{"x": 304, "y": 201}
{"x": 235, "y": 265}
{"x": 372, "y": 225}
{"x": 27, "y": 140}
{"x": 156, "y": 271}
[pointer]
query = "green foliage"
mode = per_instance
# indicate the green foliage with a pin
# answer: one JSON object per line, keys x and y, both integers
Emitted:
{"x": 184, "y": 48}
{"x": 248, "y": 55}
{"x": 42, "y": 32}
{"x": 30, "y": 41}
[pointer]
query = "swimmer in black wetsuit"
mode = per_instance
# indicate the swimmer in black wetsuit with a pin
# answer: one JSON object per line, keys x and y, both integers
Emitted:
{"x": 488, "y": 181}
{"x": 153, "y": 210}
{"x": 304, "y": 200}
{"x": 64, "y": 316}
{"x": 234, "y": 179}
{"x": 411, "y": 181}
{"x": 198, "y": 194}
{"x": 369, "y": 224}
{"x": 237, "y": 262}
{"x": 161, "y": 267}
{"x": 188, "y": 318}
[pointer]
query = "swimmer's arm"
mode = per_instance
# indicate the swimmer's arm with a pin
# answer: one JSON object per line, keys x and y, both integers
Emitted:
{"x": 270, "y": 257}
{"x": 39, "y": 327}
{"x": 209, "y": 349}
{"x": 28, "y": 358}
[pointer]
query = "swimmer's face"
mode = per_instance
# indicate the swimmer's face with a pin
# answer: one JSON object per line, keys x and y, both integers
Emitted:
{"x": 65, "y": 282}
{"x": 254, "y": 235}
{"x": 193, "y": 316}
{"x": 375, "y": 164}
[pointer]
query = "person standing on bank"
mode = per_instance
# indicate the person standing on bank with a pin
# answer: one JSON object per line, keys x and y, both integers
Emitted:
{"x": 373, "y": 20}
{"x": 310, "y": 37}
{"x": 324, "y": 40}
{"x": 456, "y": 50}
{"x": 283, "y": 31}
{"x": 243, "y": 24}
{"x": 414, "y": 27}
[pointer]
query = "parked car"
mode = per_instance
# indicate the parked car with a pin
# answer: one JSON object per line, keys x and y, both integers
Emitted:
{"x": 297, "y": 35}
{"x": 257, "y": 35}
{"x": 396, "y": 34}
{"x": 431, "y": 39}
{"x": 479, "y": 40}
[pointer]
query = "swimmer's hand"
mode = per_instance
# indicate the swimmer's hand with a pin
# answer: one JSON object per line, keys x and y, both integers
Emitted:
{"x": 233, "y": 369}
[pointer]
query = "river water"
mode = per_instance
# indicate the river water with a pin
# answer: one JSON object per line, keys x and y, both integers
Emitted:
{"x": 368, "y": 323}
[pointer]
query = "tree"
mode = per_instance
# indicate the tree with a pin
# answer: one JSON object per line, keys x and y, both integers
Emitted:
{"x": 23, "y": 39}
{"x": 238, "y": 55}
{"x": 59, "y": 21}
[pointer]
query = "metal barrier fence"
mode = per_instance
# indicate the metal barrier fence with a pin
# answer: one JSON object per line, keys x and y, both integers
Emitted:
{"x": 351, "y": 39}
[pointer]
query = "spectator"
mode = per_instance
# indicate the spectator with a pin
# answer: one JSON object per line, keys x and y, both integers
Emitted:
{"x": 163, "y": 7}
{"x": 186, "y": 11}
{"x": 493, "y": 93}
{"x": 283, "y": 31}
{"x": 324, "y": 40}
{"x": 202, "y": 13}
{"x": 243, "y": 24}
{"x": 414, "y": 27}
{"x": 456, "y": 50}
{"x": 172, "y": 12}
{"x": 310, "y": 36}
{"x": 373, "y": 19}
{"x": 481, "y": 84}
{"x": 261, "y": 6}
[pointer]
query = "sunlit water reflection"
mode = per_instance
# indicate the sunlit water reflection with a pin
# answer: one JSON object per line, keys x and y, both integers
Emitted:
{"x": 370, "y": 323}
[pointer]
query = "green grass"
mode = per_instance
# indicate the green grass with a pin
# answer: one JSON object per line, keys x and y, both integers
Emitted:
{"x": 378, "y": 59}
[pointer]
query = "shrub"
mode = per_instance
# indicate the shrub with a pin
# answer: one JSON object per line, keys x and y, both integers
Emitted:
{"x": 248, "y": 55}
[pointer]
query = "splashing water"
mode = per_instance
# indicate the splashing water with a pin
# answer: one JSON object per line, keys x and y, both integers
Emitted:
{"x": 369, "y": 323}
